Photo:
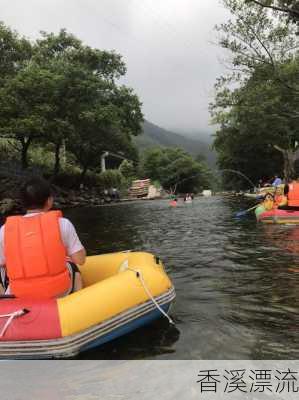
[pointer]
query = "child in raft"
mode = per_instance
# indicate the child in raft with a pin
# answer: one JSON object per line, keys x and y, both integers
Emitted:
{"x": 268, "y": 201}
{"x": 281, "y": 201}
{"x": 39, "y": 251}
{"x": 276, "y": 201}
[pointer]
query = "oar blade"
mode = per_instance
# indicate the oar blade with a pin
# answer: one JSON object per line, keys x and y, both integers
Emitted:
{"x": 245, "y": 212}
{"x": 241, "y": 214}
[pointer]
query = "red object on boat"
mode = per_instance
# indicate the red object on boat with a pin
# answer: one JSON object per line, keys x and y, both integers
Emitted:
{"x": 277, "y": 216}
{"x": 39, "y": 321}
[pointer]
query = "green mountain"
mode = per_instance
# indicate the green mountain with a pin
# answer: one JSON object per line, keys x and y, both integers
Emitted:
{"x": 154, "y": 136}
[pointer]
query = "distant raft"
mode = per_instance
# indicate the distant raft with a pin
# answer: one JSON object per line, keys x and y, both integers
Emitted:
{"x": 122, "y": 292}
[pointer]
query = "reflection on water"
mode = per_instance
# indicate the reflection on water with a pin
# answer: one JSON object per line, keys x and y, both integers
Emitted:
{"x": 236, "y": 281}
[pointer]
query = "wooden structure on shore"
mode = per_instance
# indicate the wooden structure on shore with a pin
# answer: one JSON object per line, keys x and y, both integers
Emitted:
{"x": 140, "y": 188}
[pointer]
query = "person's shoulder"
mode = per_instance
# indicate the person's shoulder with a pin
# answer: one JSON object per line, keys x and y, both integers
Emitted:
{"x": 65, "y": 221}
{"x": 66, "y": 225}
{"x": 2, "y": 232}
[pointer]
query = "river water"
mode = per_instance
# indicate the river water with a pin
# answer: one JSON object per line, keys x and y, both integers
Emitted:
{"x": 237, "y": 282}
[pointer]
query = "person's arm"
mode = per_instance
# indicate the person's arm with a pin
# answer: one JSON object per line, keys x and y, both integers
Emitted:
{"x": 2, "y": 258}
{"x": 79, "y": 257}
{"x": 75, "y": 250}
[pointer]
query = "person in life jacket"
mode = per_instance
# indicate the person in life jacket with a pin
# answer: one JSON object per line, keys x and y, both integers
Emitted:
{"x": 39, "y": 251}
{"x": 268, "y": 201}
{"x": 293, "y": 194}
{"x": 281, "y": 201}
{"x": 174, "y": 202}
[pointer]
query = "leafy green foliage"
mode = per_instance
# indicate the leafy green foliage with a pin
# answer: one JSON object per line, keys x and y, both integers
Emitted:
{"x": 62, "y": 92}
{"x": 176, "y": 170}
{"x": 128, "y": 170}
{"x": 15, "y": 51}
{"x": 111, "y": 178}
{"x": 286, "y": 7}
{"x": 254, "y": 38}
{"x": 260, "y": 115}
{"x": 24, "y": 106}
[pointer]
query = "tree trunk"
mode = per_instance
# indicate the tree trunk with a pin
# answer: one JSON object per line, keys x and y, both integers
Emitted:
{"x": 289, "y": 158}
{"x": 57, "y": 160}
{"x": 83, "y": 174}
{"x": 24, "y": 152}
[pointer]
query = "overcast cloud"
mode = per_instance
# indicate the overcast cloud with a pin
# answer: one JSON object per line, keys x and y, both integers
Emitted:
{"x": 172, "y": 64}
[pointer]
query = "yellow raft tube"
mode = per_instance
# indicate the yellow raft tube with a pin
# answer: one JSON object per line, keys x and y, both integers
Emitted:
{"x": 122, "y": 291}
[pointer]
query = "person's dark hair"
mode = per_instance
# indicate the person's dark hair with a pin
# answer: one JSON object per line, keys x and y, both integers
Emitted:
{"x": 269, "y": 195}
{"x": 34, "y": 193}
{"x": 286, "y": 189}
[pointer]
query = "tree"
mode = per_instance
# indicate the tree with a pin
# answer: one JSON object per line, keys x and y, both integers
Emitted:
{"x": 66, "y": 93}
{"x": 261, "y": 113}
{"x": 254, "y": 38}
{"x": 287, "y": 7}
{"x": 265, "y": 115}
{"x": 111, "y": 178}
{"x": 127, "y": 169}
{"x": 14, "y": 52}
{"x": 96, "y": 129}
{"x": 83, "y": 74}
{"x": 25, "y": 108}
{"x": 245, "y": 156}
{"x": 53, "y": 52}
{"x": 92, "y": 111}
{"x": 175, "y": 169}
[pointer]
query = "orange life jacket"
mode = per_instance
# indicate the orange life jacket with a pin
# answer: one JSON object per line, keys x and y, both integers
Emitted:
{"x": 281, "y": 200}
{"x": 35, "y": 256}
{"x": 293, "y": 195}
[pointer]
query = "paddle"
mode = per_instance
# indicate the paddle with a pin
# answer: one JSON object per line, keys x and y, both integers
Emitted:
{"x": 244, "y": 212}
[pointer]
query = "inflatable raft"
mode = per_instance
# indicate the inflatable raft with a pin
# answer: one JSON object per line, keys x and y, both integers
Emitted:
{"x": 277, "y": 216}
{"x": 122, "y": 291}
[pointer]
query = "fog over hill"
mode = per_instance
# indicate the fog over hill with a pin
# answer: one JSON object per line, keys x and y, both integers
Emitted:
{"x": 204, "y": 136}
{"x": 154, "y": 135}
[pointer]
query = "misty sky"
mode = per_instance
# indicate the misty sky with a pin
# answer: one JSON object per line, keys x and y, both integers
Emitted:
{"x": 167, "y": 46}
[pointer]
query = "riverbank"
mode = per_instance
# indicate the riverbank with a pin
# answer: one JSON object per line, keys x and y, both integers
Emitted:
{"x": 10, "y": 202}
{"x": 63, "y": 198}
{"x": 85, "y": 196}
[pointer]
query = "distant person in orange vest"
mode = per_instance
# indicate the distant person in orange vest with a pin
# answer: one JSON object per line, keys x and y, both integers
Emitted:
{"x": 293, "y": 193}
{"x": 39, "y": 251}
{"x": 174, "y": 202}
